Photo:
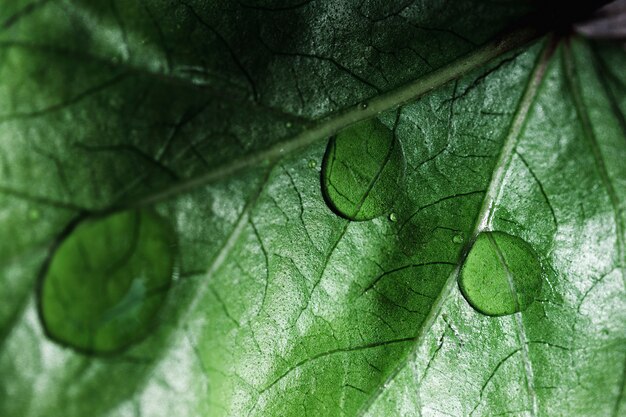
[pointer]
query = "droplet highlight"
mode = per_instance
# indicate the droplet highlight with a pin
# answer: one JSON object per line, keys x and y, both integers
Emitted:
{"x": 107, "y": 280}
{"x": 501, "y": 275}
{"x": 393, "y": 217}
{"x": 362, "y": 170}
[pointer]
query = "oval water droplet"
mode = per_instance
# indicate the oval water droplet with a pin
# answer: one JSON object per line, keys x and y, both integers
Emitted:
{"x": 501, "y": 275}
{"x": 457, "y": 239}
{"x": 363, "y": 105}
{"x": 34, "y": 214}
{"x": 362, "y": 170}
{"x": 312, "y": 163}
{"x": 106, "y": 281}
{"x": 393, "y": 217}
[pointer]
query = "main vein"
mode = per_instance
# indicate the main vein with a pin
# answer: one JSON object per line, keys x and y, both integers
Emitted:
{"x": 329, "y": 125}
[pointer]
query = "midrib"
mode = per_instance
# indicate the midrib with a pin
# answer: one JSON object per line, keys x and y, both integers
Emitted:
{"x": 329, "y": 125}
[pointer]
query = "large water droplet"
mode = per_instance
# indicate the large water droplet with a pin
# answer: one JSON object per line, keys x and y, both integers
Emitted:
{"x": 107, "y": 281}
{"x": 501, "y": 275}
{"x": 362, "y": 169}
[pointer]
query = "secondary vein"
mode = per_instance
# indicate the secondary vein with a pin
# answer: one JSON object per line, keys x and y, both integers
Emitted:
{"x": 583, "y": 116}
{"x": 484, "y": 216}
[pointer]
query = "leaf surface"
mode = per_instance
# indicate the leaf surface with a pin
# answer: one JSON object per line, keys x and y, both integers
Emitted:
{"x": 216, "y": 115}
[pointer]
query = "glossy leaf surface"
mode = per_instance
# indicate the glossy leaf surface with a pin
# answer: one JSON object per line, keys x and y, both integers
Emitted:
{"x": 210, "y": 113}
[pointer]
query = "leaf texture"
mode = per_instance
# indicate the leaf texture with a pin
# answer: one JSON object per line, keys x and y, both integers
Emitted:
{"x": 217, "y": 114}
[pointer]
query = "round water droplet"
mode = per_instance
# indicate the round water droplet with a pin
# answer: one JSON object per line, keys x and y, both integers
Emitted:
{"x": 501, "y": 275}
{"x": 457, "y": 239}
{"x": 288, "y": 125}
{"x": 362, "y": 170}
{"x": 107, "y": 281}
{"x": 393, "y": 217}
{"x": 34, "y": 214}
{"x": 363, "y": 105}
{"x": 312, "y": 163}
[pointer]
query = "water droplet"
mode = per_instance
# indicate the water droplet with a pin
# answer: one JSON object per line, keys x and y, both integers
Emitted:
{"x": 363, "y": 105}
{"x": 393, "y": 217}
{"x": 107, "y": 280}
{"x": 312, "y": 163}
{"x": 34, "y": 214}
{"x": 288, "y": 125}
{"x": 362, "y": 170}
{"x": 115, "y": 102}
{"x": 501, "y": 275}
{"x": 457, "y": 239}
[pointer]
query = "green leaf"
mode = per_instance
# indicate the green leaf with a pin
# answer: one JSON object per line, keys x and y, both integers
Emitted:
{"x": 217, "y": 115}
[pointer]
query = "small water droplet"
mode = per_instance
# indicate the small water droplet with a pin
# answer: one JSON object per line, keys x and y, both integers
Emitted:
{"x": 362, "y": 170}
{"x": 501, "y": 275}
{"x": 457, "y": 239}
{"x": 312, "y": 163}
{"x": 363, "y": 105}
{"x": 393, "y": 217}
{"x": 34, "y": 214}
{"x": 107, "y": 280}
{"x": 288, "y": 125}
